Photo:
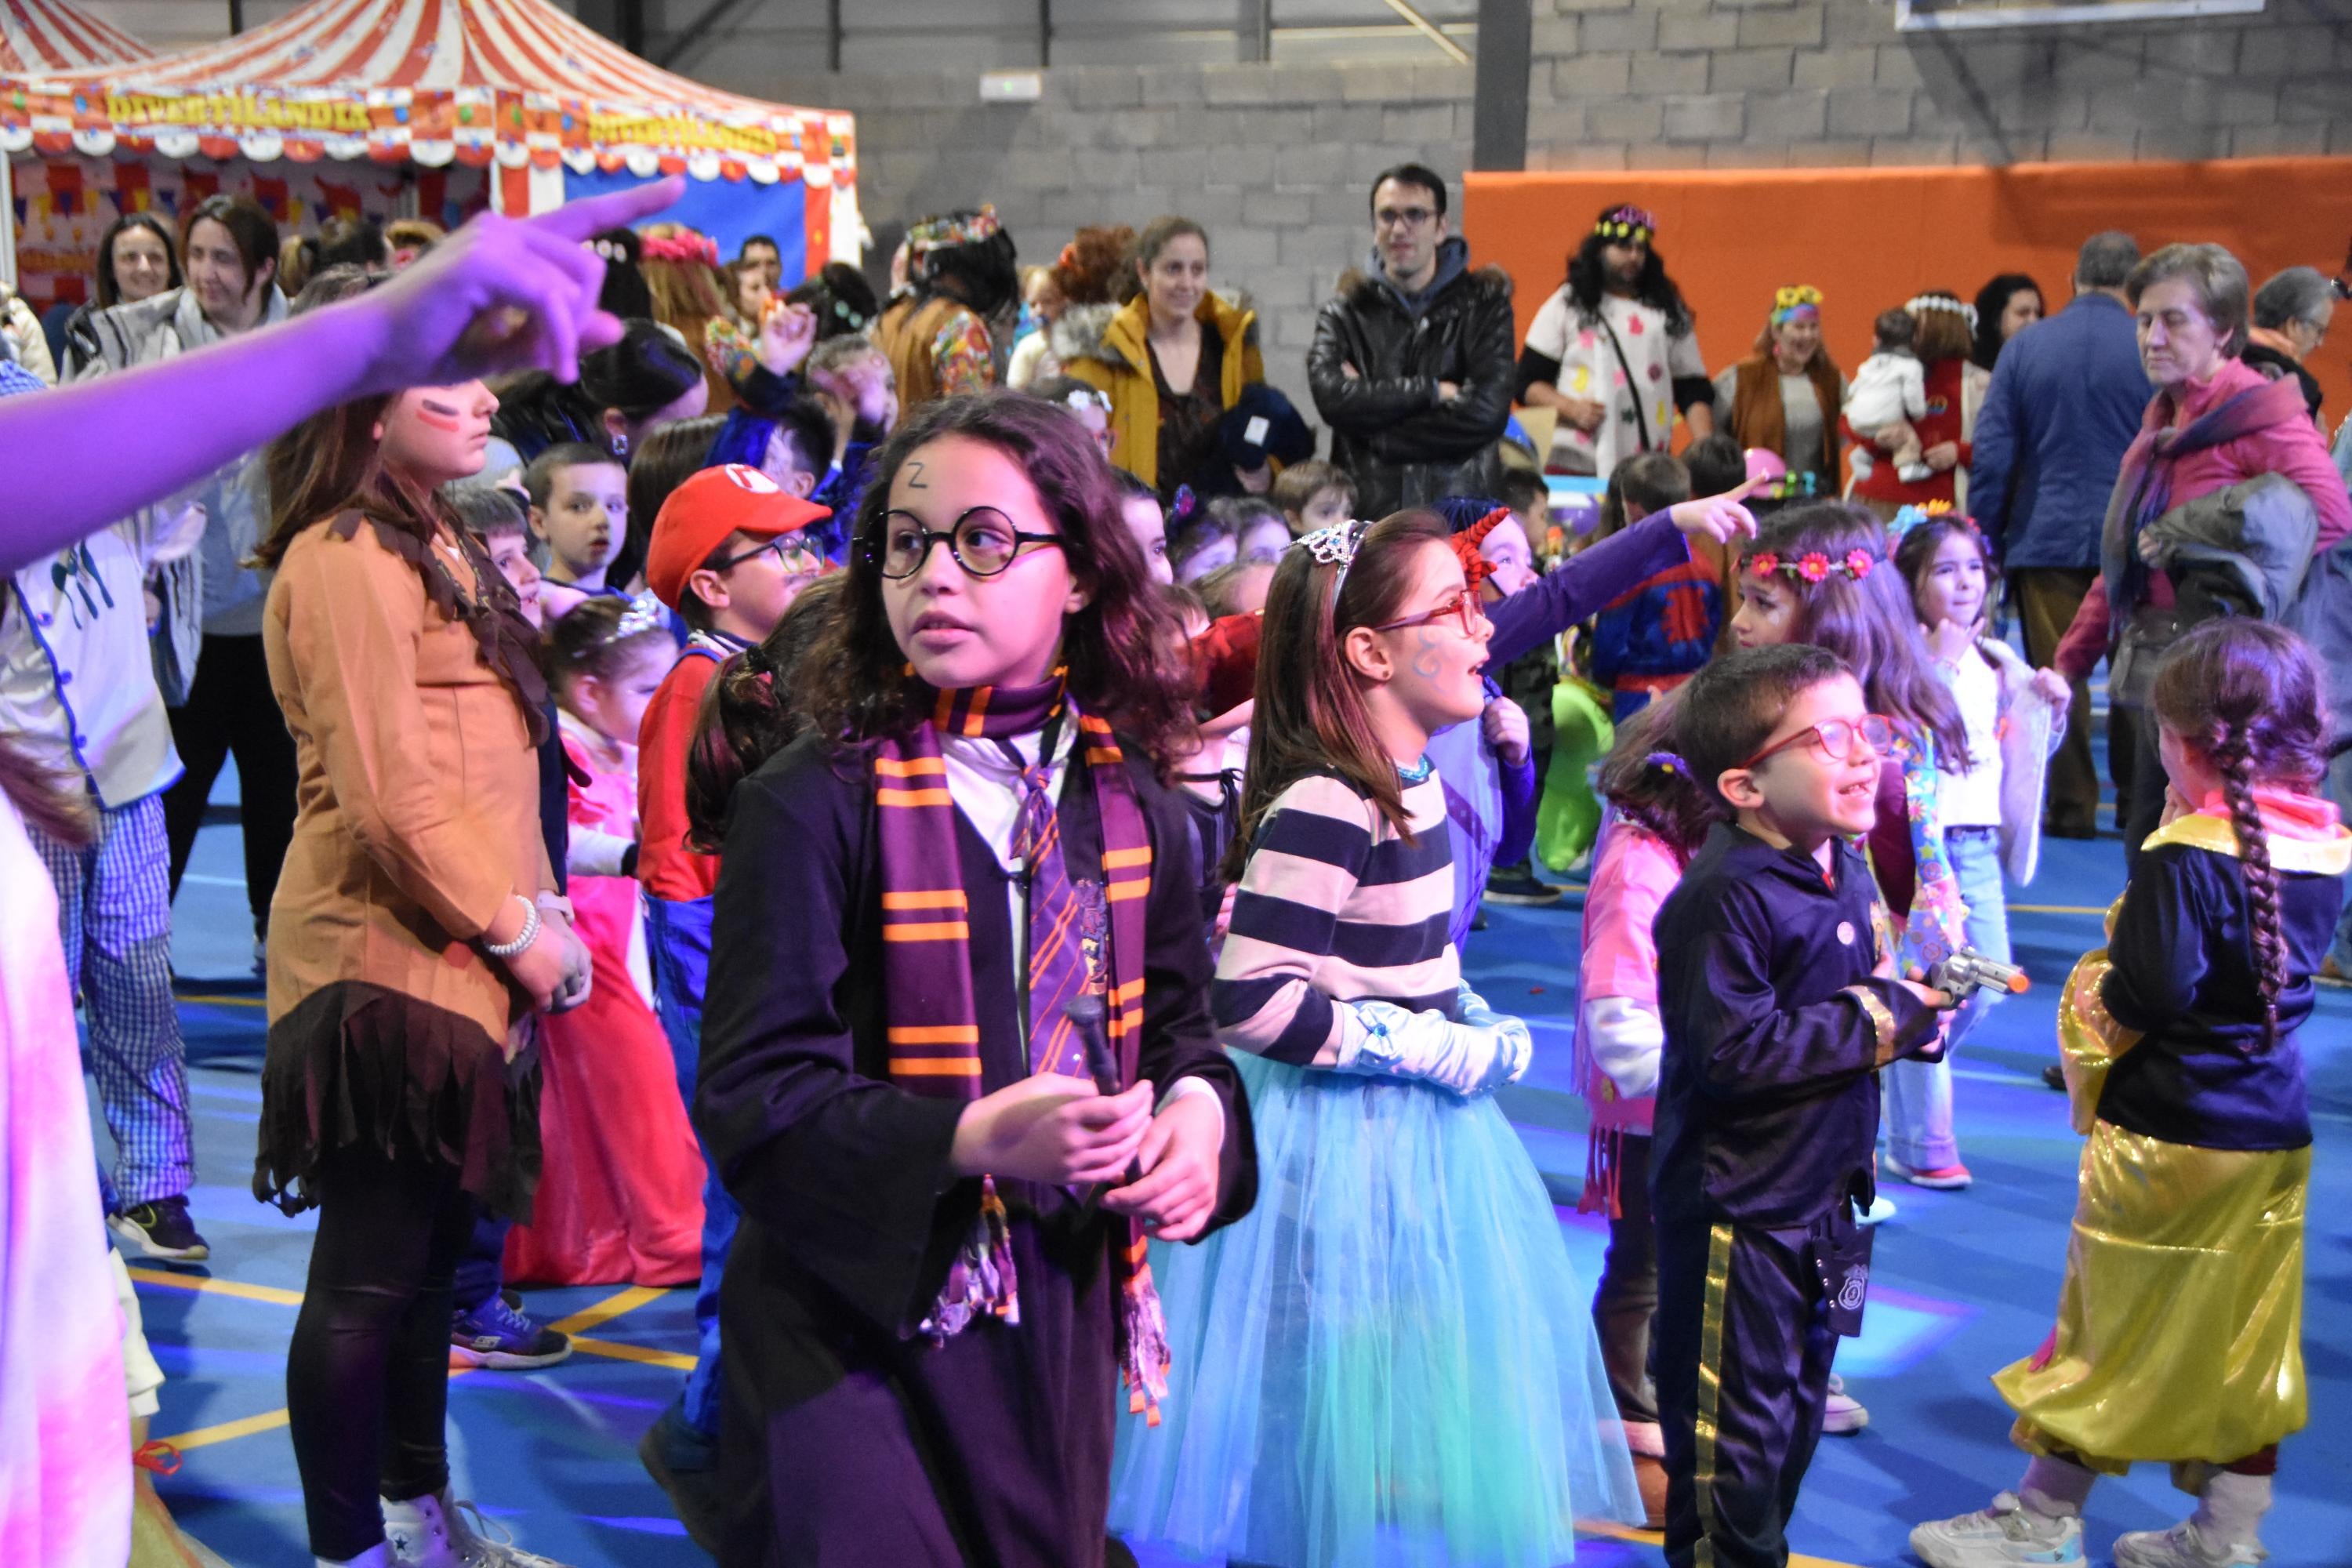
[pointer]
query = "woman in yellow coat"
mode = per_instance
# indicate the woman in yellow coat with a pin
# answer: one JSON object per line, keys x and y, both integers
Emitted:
{"x": 1173, "y": 358}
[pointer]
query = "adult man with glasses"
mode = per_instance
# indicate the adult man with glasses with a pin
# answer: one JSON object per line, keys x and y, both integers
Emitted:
{"x": 1411, "y": 361}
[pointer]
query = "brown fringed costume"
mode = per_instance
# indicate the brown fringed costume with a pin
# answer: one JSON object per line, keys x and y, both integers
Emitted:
{"x": 405, "y": 674}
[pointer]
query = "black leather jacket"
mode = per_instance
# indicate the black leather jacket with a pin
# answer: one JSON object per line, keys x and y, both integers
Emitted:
{"x": 1400, "y": 444}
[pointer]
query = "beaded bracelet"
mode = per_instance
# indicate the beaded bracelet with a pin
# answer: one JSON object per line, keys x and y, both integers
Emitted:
{"x": 523, "y": 939}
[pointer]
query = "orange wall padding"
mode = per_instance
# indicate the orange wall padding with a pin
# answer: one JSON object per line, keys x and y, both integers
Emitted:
{"x": 1871, "y": 239}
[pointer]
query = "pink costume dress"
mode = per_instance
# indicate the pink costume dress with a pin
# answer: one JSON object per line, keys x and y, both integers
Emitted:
{"x": 64, "y": 1421}
{"x": 620, "y": 1197}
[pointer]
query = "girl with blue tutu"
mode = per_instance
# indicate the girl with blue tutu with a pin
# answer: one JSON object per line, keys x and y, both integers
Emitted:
{"x": 1385, "y": 1363}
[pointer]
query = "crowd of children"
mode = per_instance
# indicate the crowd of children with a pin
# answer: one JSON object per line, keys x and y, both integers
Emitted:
{"x": 1124, "y": 855}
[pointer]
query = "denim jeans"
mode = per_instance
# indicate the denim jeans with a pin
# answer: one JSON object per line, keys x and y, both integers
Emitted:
{"x": 678, "y": 940}
{"x": 1918, "y": 1095}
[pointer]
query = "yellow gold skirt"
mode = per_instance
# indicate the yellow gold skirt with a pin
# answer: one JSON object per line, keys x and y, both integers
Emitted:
{"x": 2179, "y": 1331}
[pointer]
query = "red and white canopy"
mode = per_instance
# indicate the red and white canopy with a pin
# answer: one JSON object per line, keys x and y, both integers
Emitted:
{"x": 517, "y": 82}
{"x": 43, "y": 36}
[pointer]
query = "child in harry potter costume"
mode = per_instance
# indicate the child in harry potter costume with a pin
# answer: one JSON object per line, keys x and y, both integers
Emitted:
{"x": 1780, "y": 1003}
{"x": 940, "y": 1280}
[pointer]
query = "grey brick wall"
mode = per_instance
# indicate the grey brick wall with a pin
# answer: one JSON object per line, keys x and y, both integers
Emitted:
{"x": 1684, "y": 84}
{"x": 1275, "y": 161}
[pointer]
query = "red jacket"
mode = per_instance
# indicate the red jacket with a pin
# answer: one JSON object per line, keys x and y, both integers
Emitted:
{"x": 665, "y": 865}
{"x": 1941, "y": 424}
{"x": 2291, "y": 446}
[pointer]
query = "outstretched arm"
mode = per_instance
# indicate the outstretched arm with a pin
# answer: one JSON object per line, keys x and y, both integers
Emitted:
{"x": 499, "y": 295}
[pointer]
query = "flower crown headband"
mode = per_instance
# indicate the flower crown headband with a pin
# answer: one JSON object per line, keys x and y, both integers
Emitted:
{"x": 1793, "y": 298}
{"x": 1813, "y": 566}
{"x": 1627, "y": 223}
{"x": 1910, "y": 517}
{"x": 946, "y": 233}
{"x": 684, "y": 246}
{"x": 1942, "y": 301}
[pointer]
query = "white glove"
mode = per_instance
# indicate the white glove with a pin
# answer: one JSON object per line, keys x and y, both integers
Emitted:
{"x": 1516, "y": 1046}
{"x": 1470, "y": 1057}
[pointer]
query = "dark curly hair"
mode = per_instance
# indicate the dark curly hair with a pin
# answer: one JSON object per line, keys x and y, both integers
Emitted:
{"x": 1089, "y": 267}
{"x": 1993, "y": 303}
{"x": 1588, "y": 281}
{"x": 1124, "y": 650}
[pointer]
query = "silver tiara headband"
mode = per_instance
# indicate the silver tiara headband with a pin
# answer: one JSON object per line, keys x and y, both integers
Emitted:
{"x": 644, "y": 613}
{"x": 1334, "y": 546}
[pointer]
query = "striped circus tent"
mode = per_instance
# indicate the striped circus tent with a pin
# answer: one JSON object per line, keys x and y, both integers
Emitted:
{"x": 517, "y": 87}
{"x": 43, "y": 36}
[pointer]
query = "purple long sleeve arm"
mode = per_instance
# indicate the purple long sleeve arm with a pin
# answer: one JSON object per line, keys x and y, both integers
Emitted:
{"x": 1520, "y": 788}
{"x": 499, "y": 295}
{"x": 1558, "y": 600}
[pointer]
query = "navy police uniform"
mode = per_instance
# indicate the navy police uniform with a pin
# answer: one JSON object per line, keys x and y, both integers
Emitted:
{"x": 1767, "y": 1122}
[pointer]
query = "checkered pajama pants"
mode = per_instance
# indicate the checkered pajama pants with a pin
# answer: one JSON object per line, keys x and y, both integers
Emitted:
{"x": 114, "y": 920}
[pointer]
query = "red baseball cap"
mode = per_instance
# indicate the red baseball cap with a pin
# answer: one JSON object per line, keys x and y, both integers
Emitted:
{"x": 711, "y": 506}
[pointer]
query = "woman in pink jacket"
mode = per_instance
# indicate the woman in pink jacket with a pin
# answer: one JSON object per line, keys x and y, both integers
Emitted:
{"x": 2215, "y": 421}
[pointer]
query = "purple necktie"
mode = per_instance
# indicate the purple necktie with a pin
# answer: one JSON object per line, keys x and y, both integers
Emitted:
{"x": 1066, "y": 923}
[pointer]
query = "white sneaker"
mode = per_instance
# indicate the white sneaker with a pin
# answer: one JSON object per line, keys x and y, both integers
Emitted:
{"x": 1844, "y": 1414}
{"x": 1881, "y": 1210}
{"x": 2003, "y": 1536}
{"x": 435, "y": 1532}
{"x": 2182, "y": 1546}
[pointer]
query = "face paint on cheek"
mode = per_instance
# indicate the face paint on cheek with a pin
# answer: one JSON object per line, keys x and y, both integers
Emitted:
{"x": 439, "y": 416}
{"x": 1427, "y": 660}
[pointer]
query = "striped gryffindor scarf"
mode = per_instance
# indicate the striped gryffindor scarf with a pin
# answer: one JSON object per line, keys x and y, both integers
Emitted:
{"x": 933, "y": 1024}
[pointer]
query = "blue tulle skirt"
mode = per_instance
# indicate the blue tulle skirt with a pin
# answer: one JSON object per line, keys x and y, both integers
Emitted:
{"x": 1391, "y": 1361}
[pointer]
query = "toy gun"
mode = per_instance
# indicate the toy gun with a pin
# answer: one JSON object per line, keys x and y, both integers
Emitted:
{"x": 1964, "y": 974}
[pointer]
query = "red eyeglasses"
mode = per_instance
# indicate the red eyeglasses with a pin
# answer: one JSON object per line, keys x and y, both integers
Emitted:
{"x": 1462, "y": 608}
{"x": 1835, "y": 740}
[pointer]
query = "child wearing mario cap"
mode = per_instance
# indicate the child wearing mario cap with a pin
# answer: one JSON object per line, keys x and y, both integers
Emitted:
{"x": 730, "y": 551}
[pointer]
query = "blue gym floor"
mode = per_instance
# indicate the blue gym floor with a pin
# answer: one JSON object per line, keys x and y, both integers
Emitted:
{"x": 1963, "y": 1283}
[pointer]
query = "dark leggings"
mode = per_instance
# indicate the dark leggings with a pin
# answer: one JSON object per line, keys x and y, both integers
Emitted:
{"x": 367, "y": 1377}
{"x": 1625, "y": 1306}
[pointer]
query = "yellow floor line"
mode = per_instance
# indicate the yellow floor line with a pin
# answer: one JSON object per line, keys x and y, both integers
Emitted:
{"x": 616, "y": 1350}
{"x": 204, "y": 1284}
{"x": 224, "y": 1000}
{"x": 605, "y": 1310}
{"x": 226, "y": 1431}
{"x": 2055, "y": 909}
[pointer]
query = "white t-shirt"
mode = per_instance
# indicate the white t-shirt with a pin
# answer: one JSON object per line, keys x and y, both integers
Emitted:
{"x": 1972, "y": 799}
{"x": 1641, "y": 406}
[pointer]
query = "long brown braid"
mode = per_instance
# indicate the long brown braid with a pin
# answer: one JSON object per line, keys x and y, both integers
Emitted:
{"x": 2235, "y": 762}
{"x": 2246, "y": 694}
